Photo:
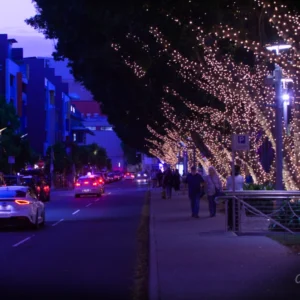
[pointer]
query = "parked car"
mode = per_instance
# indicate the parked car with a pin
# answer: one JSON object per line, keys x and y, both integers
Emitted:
{"x": 111, "y": 177}
{"x": 19, "y": 205}
{"x": 89, "y": 185}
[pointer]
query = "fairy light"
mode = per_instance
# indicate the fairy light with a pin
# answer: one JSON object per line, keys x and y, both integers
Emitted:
{"x": 247, "y": 101}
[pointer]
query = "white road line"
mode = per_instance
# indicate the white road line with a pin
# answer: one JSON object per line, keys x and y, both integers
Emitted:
{"x": 76, "y": 212}
{"x": 109, "y": 193}
{"x": 88, "y": 204}
{"x": 57, "y": 222}
{"x": 23, "y": 241}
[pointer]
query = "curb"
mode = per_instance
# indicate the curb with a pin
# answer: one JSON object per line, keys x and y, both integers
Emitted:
{"x": 153, "y": 264}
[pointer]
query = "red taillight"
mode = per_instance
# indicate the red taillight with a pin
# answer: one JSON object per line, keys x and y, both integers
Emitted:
{"x": 95, "y": 183}
{"x": 100, "y": 181}
{"x": 132, "y": 176}
{"x": 77, "y": 184}
{"x": 22, "y": 202}
{"x": 46, "y": 188}
{"x": 86, "y": 182}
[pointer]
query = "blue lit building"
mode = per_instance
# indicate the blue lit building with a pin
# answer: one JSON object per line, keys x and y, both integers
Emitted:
{"x": 13, "y": 77}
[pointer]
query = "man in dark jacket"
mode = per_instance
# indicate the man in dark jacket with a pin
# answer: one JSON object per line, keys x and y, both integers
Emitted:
{"x": 196, "y": 190}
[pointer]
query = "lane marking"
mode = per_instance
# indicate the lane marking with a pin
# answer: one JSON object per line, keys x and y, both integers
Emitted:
{"x": 57, "y": 222}
{"x": 109, "y": 193}
{"x": 97, "y": 200}
{"x": 88, "y": 204}
{"x": 76, "y": 212}
{"x": 23, "y": 241}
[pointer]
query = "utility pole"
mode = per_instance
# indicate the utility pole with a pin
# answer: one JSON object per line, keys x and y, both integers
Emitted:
{"x": 278, "y": 127}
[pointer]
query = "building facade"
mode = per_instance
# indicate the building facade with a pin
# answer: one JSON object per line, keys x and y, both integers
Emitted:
{"x": 104, "y": 134}
{"x": 13, "y": 77}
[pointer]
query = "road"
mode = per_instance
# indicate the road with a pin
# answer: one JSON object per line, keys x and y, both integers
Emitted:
{"x": 87, "y": 248}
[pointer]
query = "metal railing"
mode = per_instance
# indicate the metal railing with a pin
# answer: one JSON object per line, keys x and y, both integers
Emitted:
{"x": 262, "y": 211}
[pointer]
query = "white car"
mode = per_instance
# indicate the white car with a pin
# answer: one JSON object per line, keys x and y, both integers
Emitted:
{"x": 19, "y": 205}
{"x": 89, "y": 185}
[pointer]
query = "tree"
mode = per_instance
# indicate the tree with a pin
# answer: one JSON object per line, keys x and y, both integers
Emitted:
{"x": 11, "y": 142}
{"x": 90, "y": 155}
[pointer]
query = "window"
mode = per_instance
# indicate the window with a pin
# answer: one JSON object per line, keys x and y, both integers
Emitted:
{"x": 74, "y": 137}
{"x": 52, "y": 98}
{"x": 106, "y": 128}
{"x": 67, "y": 125}
{"x": 12, "y": 80}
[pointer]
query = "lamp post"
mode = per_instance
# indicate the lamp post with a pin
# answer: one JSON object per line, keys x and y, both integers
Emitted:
{"x": 279, "y": 98}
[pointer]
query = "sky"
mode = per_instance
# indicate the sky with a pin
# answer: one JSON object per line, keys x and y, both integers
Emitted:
{"x": 12, "y": 22}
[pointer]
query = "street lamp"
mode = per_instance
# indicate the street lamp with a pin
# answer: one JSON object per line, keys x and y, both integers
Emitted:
{"x": 279, "y": 104}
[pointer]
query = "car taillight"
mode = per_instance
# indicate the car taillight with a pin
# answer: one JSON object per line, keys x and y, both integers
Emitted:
{"x": 95, "y": 183}
{"x": 77, "y": 184}
{"x": 132, "y": 176}
{"x": 100, "y": 181}
{"x": 22, "y": 202}
{"x": 46, "y": 188}
{"x": 86, "y": 182}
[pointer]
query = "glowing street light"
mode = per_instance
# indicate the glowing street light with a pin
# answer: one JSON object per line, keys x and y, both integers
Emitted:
{"x": 278, "y": 48}
{"x": 281, "y": 102}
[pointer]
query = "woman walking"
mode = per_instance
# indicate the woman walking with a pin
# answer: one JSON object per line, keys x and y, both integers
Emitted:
{"x": 214, "y": 188}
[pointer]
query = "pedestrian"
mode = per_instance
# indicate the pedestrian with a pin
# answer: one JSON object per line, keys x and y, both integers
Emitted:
{"x": 177, "y": 180}
{"x": 195, "y": 184}
{"x": 239, "y": 186}
{"x": 213, "y": 189}
{"x": 168, "y": 183}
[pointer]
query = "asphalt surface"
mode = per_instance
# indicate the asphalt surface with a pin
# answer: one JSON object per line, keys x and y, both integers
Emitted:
{"x": 86, "y": 250}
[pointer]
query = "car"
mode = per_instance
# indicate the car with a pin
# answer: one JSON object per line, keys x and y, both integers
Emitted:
{"x": 129, "y": 175}
{"x": 19, "y": 205}
{"x": 111, "y": 177}
{"x": 39, "y": 185}
{"x": 142, "y": 177}
{"x": 89, "y": 185}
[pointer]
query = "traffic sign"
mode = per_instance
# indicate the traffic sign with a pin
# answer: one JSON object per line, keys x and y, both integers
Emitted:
{"x": 240, "y": 142}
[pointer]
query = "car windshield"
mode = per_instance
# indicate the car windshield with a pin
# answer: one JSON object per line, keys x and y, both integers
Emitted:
{"x": 12, "y": 194}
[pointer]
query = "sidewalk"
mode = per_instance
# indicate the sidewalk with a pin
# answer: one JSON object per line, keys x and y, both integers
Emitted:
{"x": 195, "y": 259}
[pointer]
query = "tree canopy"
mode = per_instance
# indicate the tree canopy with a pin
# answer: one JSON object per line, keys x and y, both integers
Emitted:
{"x": 115, "y": 51}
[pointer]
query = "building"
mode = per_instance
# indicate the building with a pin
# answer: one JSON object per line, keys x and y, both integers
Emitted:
{"x": 13, "y": 77}
{"x": 78, "y": 130}
{"x": 91, "y": 117}
{"x": 104, "y": 134}
{"x": 42, "y": 117}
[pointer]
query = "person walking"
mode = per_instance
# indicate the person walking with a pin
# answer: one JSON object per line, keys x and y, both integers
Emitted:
{"x": 213, "y": 189}
{"x": 168, "y": 183}
{"x": 239, "y": 186}
{"x": 195, "y": 184}
{"x": 177, "y": 180}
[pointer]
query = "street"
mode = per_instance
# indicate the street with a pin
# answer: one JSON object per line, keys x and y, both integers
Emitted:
{"x": 87, "y": 248}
